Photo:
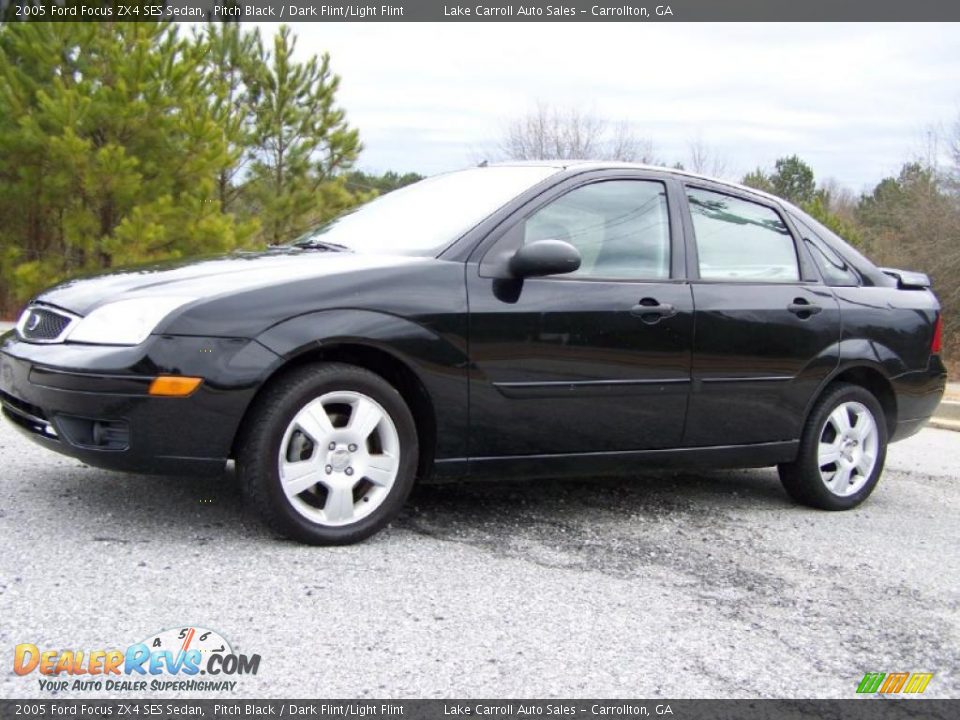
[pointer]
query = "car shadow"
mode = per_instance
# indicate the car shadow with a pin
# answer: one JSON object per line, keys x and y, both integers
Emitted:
{"x": 698, "y": 522}
{"x": 143, "y": 508}
{"x": 122, "y": 508}
{"x": 652, "y": 494}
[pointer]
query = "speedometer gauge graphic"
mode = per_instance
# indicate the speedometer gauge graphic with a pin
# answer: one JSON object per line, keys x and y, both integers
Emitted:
{"x": 183, "y": 639}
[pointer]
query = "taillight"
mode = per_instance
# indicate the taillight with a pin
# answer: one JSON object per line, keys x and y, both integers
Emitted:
{"x": 937, "y": 343}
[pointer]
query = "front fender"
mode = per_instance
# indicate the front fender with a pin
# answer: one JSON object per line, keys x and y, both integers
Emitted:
{"x": 436, "y": 357}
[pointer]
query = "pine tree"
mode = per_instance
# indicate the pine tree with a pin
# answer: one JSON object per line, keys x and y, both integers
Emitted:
{"x": 303, "y": 143}
{"x": 758, "y": 179}
{"x": 124, "y": 143}
{"x": 229, "y": 59}
{"x": 108, "y": 151}
{"x": 793, "y": 180}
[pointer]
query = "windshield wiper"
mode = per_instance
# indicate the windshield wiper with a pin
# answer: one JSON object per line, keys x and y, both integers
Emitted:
{"x": 320, "y": 245}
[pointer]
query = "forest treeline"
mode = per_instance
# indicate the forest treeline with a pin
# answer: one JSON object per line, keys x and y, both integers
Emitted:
{"x": 125, "y": 143}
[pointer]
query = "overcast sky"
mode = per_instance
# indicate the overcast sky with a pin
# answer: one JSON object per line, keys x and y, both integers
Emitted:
{"x": 853, "y": 100}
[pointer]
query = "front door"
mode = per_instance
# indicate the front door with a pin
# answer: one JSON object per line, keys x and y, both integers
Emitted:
{"x": 593, "y": 361}
{"x": 765, "y": 328}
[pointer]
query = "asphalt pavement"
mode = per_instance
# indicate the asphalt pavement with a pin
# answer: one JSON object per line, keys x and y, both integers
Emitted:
{"x": 673, "y": 584}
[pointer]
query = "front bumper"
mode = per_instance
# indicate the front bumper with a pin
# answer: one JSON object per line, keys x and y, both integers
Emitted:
{"x": 92, "y": 402}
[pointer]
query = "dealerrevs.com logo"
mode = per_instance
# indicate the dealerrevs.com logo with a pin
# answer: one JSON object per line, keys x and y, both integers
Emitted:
{"x": 179, "y": 659}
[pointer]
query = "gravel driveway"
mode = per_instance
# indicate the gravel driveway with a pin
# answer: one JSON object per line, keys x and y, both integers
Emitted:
{"x": 693, "y": 584}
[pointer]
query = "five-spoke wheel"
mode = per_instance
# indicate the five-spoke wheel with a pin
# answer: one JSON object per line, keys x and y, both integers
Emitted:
{"x": 339, "y": 458}
{"x": 329, "y": 454}
{"x": 841, "y": 452}
{"x": 847, "y": 451}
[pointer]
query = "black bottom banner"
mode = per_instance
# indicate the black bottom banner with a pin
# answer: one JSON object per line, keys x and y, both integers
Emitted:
{"x": 865, "y": 708}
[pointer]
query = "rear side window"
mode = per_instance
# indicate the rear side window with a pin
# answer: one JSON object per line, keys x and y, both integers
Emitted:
{"x": 835, "y": 270}
{"x": 739, "y": 240}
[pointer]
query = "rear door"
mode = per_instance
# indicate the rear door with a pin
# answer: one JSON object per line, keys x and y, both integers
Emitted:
{"x": 765, "y": 327}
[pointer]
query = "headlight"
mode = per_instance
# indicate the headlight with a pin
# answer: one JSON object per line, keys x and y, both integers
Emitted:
{"x": 125, "y": 322}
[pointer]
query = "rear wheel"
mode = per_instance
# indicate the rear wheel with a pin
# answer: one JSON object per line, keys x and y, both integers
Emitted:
{"x": 842, "y": 451}
{"x": 329, "y": 454}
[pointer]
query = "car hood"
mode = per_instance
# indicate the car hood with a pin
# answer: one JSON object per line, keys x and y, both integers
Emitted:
{"x": 211, "y": 277}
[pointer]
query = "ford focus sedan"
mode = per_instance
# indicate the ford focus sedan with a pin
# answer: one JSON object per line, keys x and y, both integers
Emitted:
{"x": 513, "y": 320}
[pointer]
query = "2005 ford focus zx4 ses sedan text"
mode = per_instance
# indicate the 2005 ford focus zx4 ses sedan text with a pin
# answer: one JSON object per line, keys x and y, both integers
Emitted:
{"x": 512, "y": 320}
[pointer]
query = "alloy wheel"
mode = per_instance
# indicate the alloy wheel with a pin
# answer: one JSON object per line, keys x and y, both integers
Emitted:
{"x": 847, "y": 452}
{"x": 339, "y": 458}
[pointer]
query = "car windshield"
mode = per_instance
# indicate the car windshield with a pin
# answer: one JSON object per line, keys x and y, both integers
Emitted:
{"x": 424, "y": 218}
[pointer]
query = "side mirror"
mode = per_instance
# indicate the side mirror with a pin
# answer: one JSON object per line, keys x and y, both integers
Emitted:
{"x": 544, "y": 257}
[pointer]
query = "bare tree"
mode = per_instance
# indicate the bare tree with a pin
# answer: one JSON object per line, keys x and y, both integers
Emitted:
{"x": 550, "y": 133}
{"x": 954, "y": 145}
{"x": 705, "y": 160}
{"x": 627, "y": 146}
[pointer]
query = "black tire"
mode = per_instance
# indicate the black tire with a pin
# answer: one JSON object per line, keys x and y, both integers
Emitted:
{"x": 259, "y": 442}
{"x": 802, "y": 478}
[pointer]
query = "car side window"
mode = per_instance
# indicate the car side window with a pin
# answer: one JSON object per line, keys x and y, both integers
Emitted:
{"x": 740, "y": 240}
{"x": 834, "y": 268}
{"x": 620, "y": 227}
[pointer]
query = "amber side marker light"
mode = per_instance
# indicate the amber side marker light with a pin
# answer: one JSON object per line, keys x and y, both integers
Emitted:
{"x": 174, "y": 385}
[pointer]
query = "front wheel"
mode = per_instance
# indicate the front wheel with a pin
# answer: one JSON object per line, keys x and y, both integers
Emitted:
{"x": 842, "y": 451}
{"x": 329, "y": 454}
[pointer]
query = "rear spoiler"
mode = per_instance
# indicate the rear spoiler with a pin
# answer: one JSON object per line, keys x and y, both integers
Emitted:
{"x": 908, "y": 280}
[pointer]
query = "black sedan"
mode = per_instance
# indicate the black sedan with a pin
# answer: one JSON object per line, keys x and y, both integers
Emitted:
{"x": 511, "y": 320}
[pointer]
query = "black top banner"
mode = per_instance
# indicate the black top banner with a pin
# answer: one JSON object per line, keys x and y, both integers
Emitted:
{"x": 491, "y": 11}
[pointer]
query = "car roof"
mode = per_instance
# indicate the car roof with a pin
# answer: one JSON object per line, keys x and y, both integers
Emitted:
{"x": 587, "y": 165}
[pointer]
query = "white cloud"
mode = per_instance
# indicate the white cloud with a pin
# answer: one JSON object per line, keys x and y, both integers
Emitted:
{"x": 852, "y": 99}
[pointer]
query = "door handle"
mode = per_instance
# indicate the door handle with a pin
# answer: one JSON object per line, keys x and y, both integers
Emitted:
{"x": 803, "y": 308}
{"x": 651, "y": 311}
